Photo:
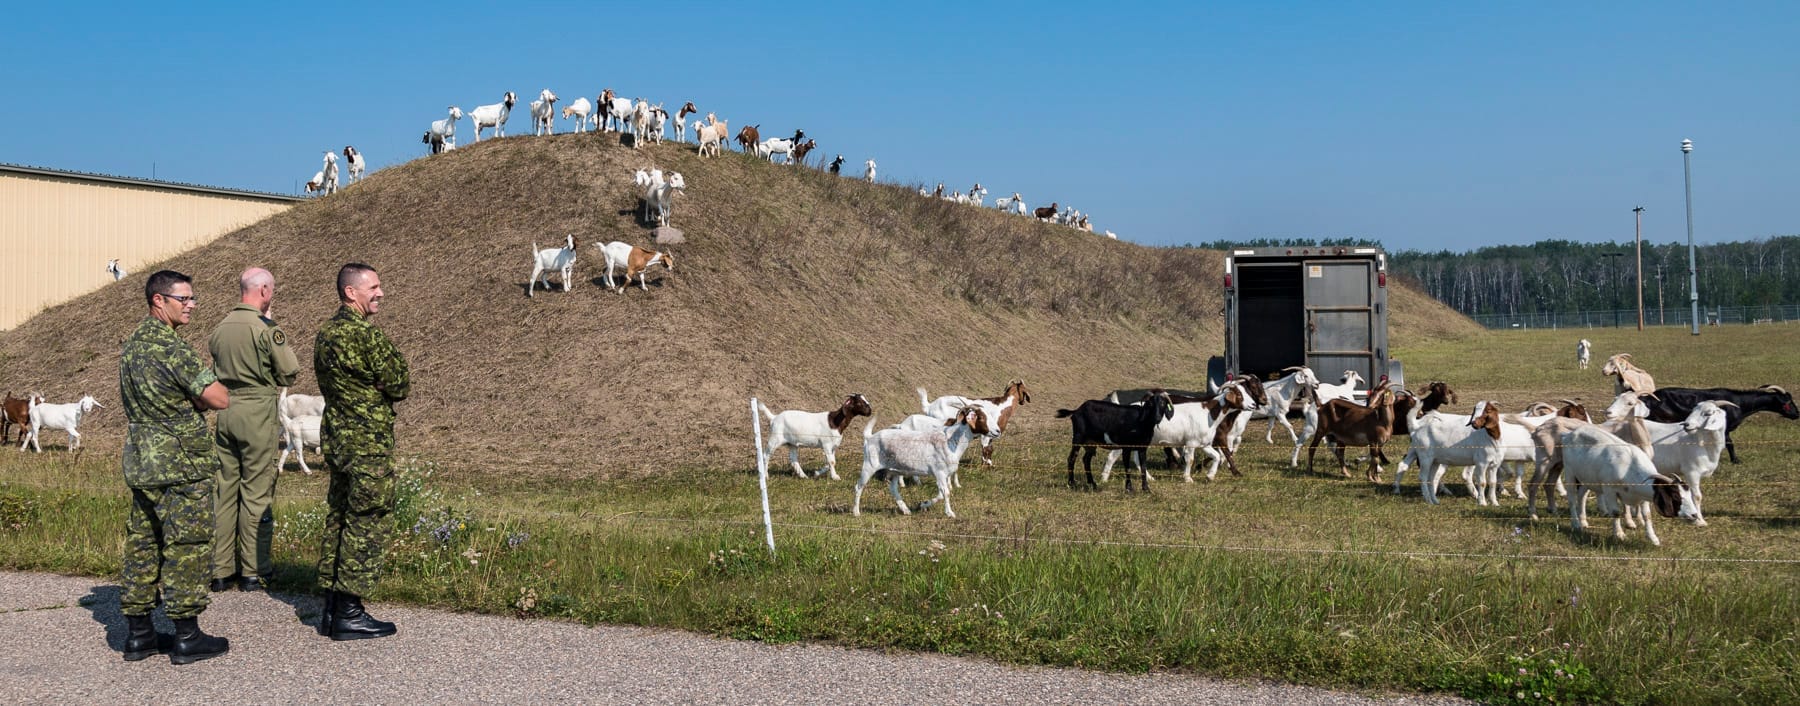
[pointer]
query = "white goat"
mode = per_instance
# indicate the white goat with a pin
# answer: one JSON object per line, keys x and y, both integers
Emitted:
{"x": 776, "y": 146}
{"x": 659, "y": 120}
{"x": 331, "y": 173}
{"x": 797, "y": 429}
{"x": 915, "y": 454}
{"x": 581, "y": 110}
{"x": 63, "y": 417}
{"x": 442, "y": 135}
{"x": 1583, "y": 352}
{"x": 543, "y": 114}
{"x": 117, "y": 272}
{"x": 869, "y": 171}
{"x": 560, "y": 259}
{"x": 1688, "y": 450}
{"x": 493, "y": 116}
{"x": 300, "y": 417}
{"x": 355, "y": 160}
{"x": 1624, "y": 477}
{"x": 1629, "y": 376}
{"x": 317, "y": 184}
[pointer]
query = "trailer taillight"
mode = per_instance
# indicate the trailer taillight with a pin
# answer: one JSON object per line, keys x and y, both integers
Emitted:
{"x": 1381, "y": 279}
{"x": 1228, "y": 280}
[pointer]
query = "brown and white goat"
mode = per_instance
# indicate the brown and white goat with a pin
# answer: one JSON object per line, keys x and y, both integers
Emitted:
{"x": 1001, "y": 411}
{"x": 635, "y": 261}
{"x": 16, "y": 411}
{"x": 798, "y": 429}
{"x": 1629, "y": 376}
{"x": 1356, "y": 425}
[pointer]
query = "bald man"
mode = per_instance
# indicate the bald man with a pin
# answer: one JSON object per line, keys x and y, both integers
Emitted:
{"x": 252, "y": 358}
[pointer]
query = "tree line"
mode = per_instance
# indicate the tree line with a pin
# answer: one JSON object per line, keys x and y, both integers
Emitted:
{"x": 1552, "y": 276}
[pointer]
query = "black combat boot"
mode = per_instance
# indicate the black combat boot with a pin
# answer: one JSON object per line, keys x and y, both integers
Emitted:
{"x": 192, "y": 645}
{"x": 327, "y": 609}
{"x": 142, "y": 640}
{"x": 350, "y": 622}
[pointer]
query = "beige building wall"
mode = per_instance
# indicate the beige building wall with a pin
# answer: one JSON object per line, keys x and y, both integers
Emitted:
{"x": 58, "y": 229}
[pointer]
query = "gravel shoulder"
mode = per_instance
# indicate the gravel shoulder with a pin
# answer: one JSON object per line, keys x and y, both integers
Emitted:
{"x": 67, "y": 633}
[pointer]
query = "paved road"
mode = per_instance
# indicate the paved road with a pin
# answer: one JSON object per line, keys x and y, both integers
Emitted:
{"x": 63, "y": 636}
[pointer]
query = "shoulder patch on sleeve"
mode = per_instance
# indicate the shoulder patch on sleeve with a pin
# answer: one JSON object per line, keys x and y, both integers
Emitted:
{"x": 277, "y": 337}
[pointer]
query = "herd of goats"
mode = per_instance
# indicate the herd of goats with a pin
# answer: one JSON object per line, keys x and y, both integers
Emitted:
{"x": 1647, "y": 454}
{"x": 647, "y": 123}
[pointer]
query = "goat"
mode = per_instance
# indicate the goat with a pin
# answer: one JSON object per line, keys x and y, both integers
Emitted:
{"x": 748, "y": 137}
{"x": 64, "y": 417}
{"x": 442, "y": 134}
{"x": 300, "y": 417}
{"x": 1297, "y": 385}
{"x": 711, "y": 136}
{"x": 659, "y": 119}
{"x": 869, "y": 171}
{"x": 1192, "y": 427}
{"x": 1624, "y": 477}
{"x": 660, "y": 194}
{"x": 980, "y": 416}
{"x": 1353, "y": 425}
{"x": 1583, "y": 352}
{"x": 355, "y": 160}
{"x": 797, "y": 429}
{"x": 916, "y": 454}
{"x": 640, "y": 123}
{"x": 1629, "y": 376}
{"x": 317, "y": 183}
{"x": 330, "y": 184}
{"x": 117, "y": 272}
{"x": 681, "y": 118}
{"x": 581, "y": 110}
{"x": 1097, "y": 424}
{"x": 800, "y": 150}
{"x": 635, "y": 260}
{"x": 559, "y": 259}
{"x": 837, "y": 165}
{"x": 543, "y": 112}
{"x": 1688, "y": 449}
{"x": 1673, "y": 404}
{"x": 619, "y": 111}
{"x": 1045, "y": 213}
{"x": 17, "y": 411}
{"x": 1001, "y": 411}
{"x": 493, "y": 116}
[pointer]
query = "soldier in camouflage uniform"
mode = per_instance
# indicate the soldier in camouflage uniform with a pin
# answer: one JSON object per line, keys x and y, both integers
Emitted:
{"x": 251, "y": 357}
{"x": 168, "y": 465}
{"x": 361, "y": 375}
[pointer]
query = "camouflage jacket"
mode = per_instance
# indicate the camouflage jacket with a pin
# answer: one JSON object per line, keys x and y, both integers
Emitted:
{"x": 361, "y": 375}
{"x": 166, "y": 442}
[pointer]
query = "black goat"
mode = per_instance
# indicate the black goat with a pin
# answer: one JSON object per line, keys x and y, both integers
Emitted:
{"x": 1098, "y": 424}
{"x": 1673, "y": 404}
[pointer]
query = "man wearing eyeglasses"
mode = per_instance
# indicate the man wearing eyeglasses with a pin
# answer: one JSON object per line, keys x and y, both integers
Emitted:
{"x": 251, "y": 357}
{"x": 169, "y": 466}
{"x": 362, "y": 375}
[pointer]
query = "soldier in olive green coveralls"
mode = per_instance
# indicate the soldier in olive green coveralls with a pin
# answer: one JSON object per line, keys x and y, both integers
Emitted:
{"x": 361, "y": 375}
{"x": 169, "y": 465}
{"x": 251, "y": 357}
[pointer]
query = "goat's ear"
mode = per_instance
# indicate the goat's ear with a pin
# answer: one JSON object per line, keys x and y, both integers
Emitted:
{"x": 1667, "y": 495}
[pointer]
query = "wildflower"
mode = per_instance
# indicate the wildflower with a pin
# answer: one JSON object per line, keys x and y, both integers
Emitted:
{"x": 517, "y": 538}
{"x": 1522, "y": 671}
{"x": 1574, "y": 598}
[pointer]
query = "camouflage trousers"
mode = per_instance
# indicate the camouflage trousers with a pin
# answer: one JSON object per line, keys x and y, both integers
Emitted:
{"x": 168, "y": 541}
{"x": 357, "y": 525}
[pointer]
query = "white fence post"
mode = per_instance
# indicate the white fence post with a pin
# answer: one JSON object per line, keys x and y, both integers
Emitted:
{"x": 762, "y": 476}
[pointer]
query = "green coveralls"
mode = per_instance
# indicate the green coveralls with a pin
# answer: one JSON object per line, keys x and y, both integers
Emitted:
{"x": 168, "y": 465}
{"x": 251, "y": 357}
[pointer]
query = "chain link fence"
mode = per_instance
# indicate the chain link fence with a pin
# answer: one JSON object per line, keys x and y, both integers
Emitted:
{"x": 1627, "y": 318}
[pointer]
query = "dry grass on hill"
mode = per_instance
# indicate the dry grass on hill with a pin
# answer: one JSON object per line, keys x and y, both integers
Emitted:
{"x": 794, "y": 286}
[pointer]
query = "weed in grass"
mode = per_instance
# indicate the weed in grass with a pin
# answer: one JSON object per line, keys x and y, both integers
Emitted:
{"x": 16, "y": 512}
{"x": 1540, "y": 679}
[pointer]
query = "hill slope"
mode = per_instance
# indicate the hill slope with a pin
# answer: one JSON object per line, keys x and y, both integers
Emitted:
{"x": 794, "y": 286}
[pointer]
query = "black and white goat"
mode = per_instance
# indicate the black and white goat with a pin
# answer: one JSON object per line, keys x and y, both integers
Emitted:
{"x": 1674, "y": 404}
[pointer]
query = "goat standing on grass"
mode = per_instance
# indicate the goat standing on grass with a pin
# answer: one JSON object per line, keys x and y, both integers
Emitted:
{"x": 635, "y": 261}
{"x": 897, "y": 453}
{"x": 355, "y": 160}
{"x": 64, "y": 417}
{"x": 300, "y": 417}
{"x": 1584, "y": 351}
{"x": 1629, "y": 376}
{"x": 442, "y": 135}
{"x": 681, "y": 120}
{"x": 493, "y": 116}
{"x": 17, "y": 412}
{"x": 1350, "y": 424}
{"x": 548, "y": 259}
{"x": 543, "y": 112}
{"x": 331, "y": 173}
{"x": 1673, "y": 404}
{"x": 1098, "y": 424}
{"x": 797, "y": 429}
{"x": 117, "y": 272}
{"x": 999, "y": 409}
{"x": 869, "y": 171}
{"x": 1625, "y": 479}
{"x": 580, "y": 110}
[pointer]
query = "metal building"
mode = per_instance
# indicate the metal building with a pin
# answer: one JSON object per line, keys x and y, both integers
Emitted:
{"x": 58, "y": 229}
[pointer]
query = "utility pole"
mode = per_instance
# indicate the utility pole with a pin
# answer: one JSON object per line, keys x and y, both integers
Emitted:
{"x": 1687, "y": 182}
{"x": 1661, "y": 319}
{"x": 1639, "y": 212}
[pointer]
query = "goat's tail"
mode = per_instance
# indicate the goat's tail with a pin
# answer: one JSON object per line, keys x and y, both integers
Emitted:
{"x": 765, "y": 410}
{"x": 1061, "y": 413}
{"x": 924, "y": 400}
{"x": 869, "y": 428}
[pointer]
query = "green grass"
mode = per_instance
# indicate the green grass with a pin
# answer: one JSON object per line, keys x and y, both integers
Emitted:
{"x": 1281, "y": 574}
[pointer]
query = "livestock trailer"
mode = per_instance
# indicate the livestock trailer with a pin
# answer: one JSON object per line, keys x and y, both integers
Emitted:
{"x": 1322, "y": 307}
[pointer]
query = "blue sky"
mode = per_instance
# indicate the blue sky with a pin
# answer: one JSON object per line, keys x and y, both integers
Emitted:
{"x": 1425, "y": 125}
